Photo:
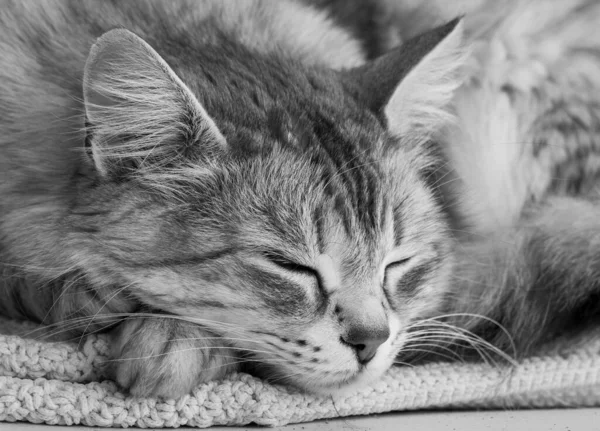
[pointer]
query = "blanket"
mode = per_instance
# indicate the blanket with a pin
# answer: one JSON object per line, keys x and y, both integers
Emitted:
{"x": 62, "y": 383}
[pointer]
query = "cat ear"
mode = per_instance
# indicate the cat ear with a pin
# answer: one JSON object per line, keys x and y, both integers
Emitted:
{"x": 139, "y": 113}
{"x": 412, "y": 85}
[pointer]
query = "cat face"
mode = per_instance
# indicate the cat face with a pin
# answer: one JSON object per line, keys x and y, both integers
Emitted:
{"x": 298, "y": 272}
{"x": 309, "y": 242}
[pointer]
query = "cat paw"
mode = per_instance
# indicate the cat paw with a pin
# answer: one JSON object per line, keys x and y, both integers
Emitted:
{"x": 164, "y": 357}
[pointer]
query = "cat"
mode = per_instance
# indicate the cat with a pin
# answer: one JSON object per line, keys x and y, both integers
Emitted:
{"x": 225, "y": 184}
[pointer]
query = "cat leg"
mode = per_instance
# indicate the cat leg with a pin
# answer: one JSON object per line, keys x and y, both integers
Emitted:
{"x": 165, "y": 357}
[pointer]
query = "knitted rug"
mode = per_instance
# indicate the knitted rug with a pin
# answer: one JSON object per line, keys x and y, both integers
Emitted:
{"x": 61, "y": 383}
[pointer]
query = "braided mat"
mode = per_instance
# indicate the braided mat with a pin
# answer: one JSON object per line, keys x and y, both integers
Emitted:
{"x": 59, "y": 383}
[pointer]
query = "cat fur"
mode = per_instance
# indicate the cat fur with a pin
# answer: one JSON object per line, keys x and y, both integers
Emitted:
{"x": 148, "y": 174}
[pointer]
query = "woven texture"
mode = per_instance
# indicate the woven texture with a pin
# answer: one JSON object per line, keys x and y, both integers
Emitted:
{"x": 61, "y": 383}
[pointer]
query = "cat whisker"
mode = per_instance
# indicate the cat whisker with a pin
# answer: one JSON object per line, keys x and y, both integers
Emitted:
{"x": 482, "y": 347}
{"x": 47, "y": 270}
{"x": 74, "y": 323}
{"x": 450, "y": 181}
{"x": 135, "y": 315}
{"x": 190, "y": 349}
{"x": 114, "y": 295}
{"x": 425, "y": 352}
{"x": 473, "y": 341}
{"x": 396, "y": 362}
{"x": 282, "y": 376}
{"x": 64, "y": 327}
{"x": 442, "y": 343}
{"x": 473, "y": 316}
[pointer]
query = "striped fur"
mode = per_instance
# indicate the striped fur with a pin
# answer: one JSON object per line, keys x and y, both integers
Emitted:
{"x": 221, "y": 186}
{"x": 229, "y": 175}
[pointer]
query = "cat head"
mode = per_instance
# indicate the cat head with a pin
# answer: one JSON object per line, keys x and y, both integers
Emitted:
{"x": 289, "y": 210}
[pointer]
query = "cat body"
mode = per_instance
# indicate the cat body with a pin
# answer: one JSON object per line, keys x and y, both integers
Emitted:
{"x": 226, "y": 183}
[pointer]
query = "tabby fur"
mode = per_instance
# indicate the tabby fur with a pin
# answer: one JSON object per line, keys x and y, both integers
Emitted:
{"x": 228, "y": 184}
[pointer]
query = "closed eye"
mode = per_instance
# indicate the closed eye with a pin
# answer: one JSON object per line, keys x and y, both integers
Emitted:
{"x": 397, "y": 264}
{"x": 288, "y": 265}
{"x": 394, "y": 265}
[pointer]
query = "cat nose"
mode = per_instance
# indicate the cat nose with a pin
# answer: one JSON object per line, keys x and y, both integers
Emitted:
{"x": 366, "y": 340}
{"x": 364, "y": 325}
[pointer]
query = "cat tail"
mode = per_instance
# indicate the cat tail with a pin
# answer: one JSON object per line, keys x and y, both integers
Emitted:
{"x": 533, "y": 280}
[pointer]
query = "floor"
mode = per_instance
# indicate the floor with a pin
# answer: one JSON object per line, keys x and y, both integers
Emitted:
{"x": 523, "y": 420}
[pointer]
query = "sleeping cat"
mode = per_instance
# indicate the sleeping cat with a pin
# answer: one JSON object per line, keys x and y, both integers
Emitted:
{"x": 224, "y": 184}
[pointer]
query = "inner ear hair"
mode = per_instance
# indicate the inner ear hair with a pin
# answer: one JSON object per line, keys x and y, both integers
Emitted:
{"x": 412, "y": 86}
{"x": 139, "y": 112}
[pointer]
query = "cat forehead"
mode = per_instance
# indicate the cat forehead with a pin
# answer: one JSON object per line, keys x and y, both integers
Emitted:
{"x": 265, "y": 93}
{"x": 319, "y": 132}
{"x": 223, "y": 74}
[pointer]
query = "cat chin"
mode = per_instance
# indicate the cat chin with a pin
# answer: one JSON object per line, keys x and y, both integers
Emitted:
{"x": 366, "y": 376}
{"x": 359, "y": 381}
